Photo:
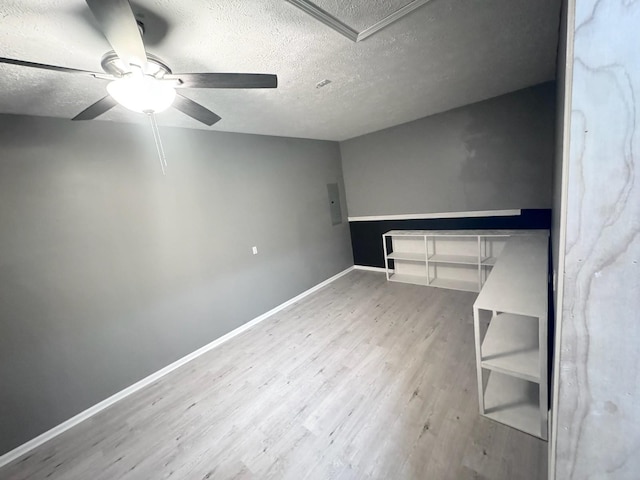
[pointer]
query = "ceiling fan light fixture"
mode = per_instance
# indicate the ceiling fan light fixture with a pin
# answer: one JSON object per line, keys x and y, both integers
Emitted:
{"x": 142, "y": 93}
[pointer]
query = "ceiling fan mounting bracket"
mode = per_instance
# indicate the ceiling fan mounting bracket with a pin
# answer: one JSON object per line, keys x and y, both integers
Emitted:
{"x": 112, "y": 65}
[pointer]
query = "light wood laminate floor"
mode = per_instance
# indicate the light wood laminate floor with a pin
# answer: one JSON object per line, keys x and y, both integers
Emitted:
{"x": 364, "y": 379}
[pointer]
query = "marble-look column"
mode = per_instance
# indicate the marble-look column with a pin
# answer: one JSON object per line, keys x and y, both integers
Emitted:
{"x": 598, "y": 415}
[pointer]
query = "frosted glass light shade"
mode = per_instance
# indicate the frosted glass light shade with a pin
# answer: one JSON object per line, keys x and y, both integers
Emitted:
{"x": 142, "y": 93}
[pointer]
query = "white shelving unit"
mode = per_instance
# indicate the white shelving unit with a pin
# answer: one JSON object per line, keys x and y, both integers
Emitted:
{"x": 510, "y": 324}
{"x": 455, "y": 259}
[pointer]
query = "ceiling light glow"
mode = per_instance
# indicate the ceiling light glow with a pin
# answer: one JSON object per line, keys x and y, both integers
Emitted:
{"x": 142, "y": 93}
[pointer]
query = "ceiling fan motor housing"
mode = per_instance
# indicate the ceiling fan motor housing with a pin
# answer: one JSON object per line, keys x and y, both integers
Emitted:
{"x": 112, "y": 65}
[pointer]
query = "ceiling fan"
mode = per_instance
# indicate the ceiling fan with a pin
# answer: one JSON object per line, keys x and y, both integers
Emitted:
{"x": 141, "y": 81}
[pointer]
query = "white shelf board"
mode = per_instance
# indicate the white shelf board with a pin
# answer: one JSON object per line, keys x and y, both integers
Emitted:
{"x": 404, "y": 278}
{"x": 411, "y": 256}
{"x": 511, "y": 346}
{"x": 458, "y": 259}
{"x": 454, "y": 284}
{"x": 514, "y": 402}
{"x": 489, "y": 261}
{"x": 518, "y": 282}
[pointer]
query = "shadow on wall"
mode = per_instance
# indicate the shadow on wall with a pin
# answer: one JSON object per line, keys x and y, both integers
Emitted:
{"x": 508, "y": 131}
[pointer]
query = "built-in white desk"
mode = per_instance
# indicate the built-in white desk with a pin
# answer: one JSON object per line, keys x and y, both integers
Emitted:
{"x": 510, "y": 324}
{"x": 509, "y": 269}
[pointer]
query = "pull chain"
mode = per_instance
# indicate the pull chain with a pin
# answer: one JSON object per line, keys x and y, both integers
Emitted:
{"x": 156, "y": 137}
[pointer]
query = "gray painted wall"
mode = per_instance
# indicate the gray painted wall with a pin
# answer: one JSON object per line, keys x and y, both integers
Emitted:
{"x": 109, "y": 271}
{"x": 496, "y": 154}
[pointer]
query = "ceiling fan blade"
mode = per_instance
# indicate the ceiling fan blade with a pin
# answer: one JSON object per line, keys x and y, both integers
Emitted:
{"x": 98, "y": 108}
{"x": 119, "y": 26}
{"x": 55, "y": 68}
{"x": 224, "y": 80}
{"x": 195, "y": 110}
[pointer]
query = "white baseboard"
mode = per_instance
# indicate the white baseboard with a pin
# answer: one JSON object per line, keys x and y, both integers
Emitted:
{"x": 75, "y": 420}
{"x": 371, "y": 269}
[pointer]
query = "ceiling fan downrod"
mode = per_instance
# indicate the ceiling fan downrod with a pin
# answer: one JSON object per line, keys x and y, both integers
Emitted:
{"x": 156, "y": 137}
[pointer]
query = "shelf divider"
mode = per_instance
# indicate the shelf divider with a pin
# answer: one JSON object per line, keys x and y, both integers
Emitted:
{"x": 454, "y": 284}
{"x": 410, "y": 256}
{"x": 457, "y": 259}
{"x": 405, "y": 278}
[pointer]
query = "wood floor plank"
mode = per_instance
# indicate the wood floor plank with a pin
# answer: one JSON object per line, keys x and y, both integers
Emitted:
{"x": 364, "y": 379}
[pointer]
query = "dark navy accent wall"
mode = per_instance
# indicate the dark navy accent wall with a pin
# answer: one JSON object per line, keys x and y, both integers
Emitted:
{"x": 366, "y": 237}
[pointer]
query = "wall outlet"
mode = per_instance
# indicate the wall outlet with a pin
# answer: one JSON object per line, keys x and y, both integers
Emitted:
{"x": 254, "y": 250}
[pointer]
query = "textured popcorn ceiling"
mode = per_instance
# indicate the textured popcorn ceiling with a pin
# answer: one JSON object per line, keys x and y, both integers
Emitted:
{"x": 445, "y": 54}
{"x": 362, "y": 14}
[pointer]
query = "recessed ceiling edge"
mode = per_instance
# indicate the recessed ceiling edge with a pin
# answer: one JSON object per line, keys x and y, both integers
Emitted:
{"x": 342, "y": 28}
